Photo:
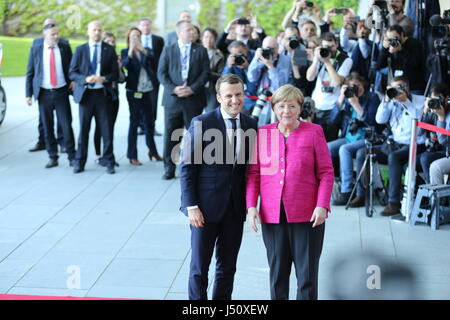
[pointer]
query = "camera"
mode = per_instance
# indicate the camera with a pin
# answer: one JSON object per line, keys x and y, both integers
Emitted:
{"x": 309, "y": 4}
{"x": 432, "y": 144}
{"x": 394, "y": 92}
{"x": 267, "y": 53}
{"x": 325, "y": 52}
{"x": 351, "y": 91}
{"x": 307, "y": 109}
{"x": 372, "y": 138}
{"x": 441, "y": 46}
{"x": 435, "y": 103}
{"x": 394, "y": 42}
{"x": 263, "y": 95}
{"x": 354, "y": 125}
{"x": 327, "y": 89}
{"x": 239, "y": 59}
{"x": 294, "y": 42}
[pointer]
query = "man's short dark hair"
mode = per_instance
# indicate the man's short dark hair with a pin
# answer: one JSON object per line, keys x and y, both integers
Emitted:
{"x": 236, "y": 44}
{"x": 439, "y": 89}
{"x": 397, "y": 28}
{"x": 230, "y": 79}
{"x": 328, "y": 36}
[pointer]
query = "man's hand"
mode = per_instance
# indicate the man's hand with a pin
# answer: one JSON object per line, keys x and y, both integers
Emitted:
{"x": 341, "y": 95}
{"x": 253, "y": 21}
{"x": 29, "y": 101}
{"x": 196, "y": 218}
{"x": 183, "y": 92}
{"x": 232, "y": 22}
{"x": 253, "y": 217}
{"x": 318, "y": 216}
{"x": 231, "y": 61}
{"x": 71, "y": 86}
{"x": 99, "y": 79}
{"x": 91, "y": 79}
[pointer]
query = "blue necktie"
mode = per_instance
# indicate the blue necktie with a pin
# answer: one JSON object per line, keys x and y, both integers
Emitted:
{"x": 94, "y": 60}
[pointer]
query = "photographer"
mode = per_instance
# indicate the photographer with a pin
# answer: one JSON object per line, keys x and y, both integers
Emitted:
{"x": 237, "y": 63}
{"x": 394, "y": 10}
{"x": 397, "y": 109}
{"x": 436, "y": 112}
{"x": 243, "y": 30}
{"x": 269, "y": 70}
{"x": 403, "y": 57}
{"x": 330, "y": 67}
{"x": 362, "y": 50}
{"x": 355, "y": 109}
{"x": 301, "y": 10}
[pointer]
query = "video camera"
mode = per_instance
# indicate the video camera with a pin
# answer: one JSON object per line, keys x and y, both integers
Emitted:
{"x": 263, "y": 96}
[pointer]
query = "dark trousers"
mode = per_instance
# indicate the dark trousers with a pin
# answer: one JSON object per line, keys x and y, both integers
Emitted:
{"x": 330, "y": 129}
{"x": 59, "y": 133}
{"x": 297, "y": 243}
{"x": 155, "y": 94}
{"x": 140, "y": 107}
{"x": 51, "y": 101}
{"x": 176, "y": 117}
{"x": 226, "y": 237}
{"x": 95, "y": 104}
{"x": 426, "y": 159}
{"x": 113, "y": 112}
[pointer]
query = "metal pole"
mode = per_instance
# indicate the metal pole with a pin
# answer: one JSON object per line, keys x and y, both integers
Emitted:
{"x": 411, "y": 178}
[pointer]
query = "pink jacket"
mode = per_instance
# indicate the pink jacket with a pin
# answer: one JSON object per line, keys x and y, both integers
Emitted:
{"x": 298, "y": 170}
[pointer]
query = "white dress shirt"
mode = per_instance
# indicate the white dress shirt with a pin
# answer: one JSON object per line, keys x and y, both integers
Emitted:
{"x": 149, "y": 43}
{"x": 99, "y": 60}
{"x": 185, "y": 51}
{"x": 46, "y": 82}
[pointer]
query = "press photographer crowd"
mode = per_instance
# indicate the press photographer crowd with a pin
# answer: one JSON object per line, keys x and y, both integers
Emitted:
{"x": 362, "y": 83}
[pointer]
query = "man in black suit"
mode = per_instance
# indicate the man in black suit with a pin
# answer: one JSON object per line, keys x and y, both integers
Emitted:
{"x": 48, "y": 82}
{"x": 243, "y": 28}
{"x": 94, "y": 68}
{"x": 40, "y": 145}
{"x": 213, "y": 188}
{"x": 183, "y": 71}
{"x": 156, "y": 45}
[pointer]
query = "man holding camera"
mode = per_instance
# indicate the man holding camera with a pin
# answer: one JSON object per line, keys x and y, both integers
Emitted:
{"x": 393, "y": 10}
{"x": 237, "y": 63}
{"x": 398, "y": 108}
{"x": 403, "y": 57}
{"x": 268, "y": 70}
{"x": 243, "y": 29}
{"x": 354, "y": 111}
{"x": 436, "y": 112}
{"x": 330, "y": 67}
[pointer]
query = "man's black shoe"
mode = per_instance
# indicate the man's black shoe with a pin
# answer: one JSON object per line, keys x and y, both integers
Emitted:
{"x": 37, "y": 147}
{"x": 52, "y": 164}
{"x": 110, "y": 170}
{"x": 168, "y": 176}
{"x": 342, "y": 199}
{"x": 77, "y": 169}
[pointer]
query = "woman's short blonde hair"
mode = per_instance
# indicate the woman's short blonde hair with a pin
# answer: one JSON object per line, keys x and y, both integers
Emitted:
{"x": 287, "y": 92}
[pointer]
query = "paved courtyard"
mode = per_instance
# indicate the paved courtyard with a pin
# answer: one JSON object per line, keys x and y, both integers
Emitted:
{"x": 122, "y": 236}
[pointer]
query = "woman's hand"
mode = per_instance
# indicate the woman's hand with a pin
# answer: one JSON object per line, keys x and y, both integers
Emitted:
{"x": 253, "y": 216}
{"x": 318, "y": 216}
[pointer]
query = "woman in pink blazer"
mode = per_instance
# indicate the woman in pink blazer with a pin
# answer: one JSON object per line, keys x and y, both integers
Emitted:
{"x": 293, "y": 173}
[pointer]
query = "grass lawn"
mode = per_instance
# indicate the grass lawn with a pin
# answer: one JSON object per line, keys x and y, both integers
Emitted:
{"x": 16, "y": 51}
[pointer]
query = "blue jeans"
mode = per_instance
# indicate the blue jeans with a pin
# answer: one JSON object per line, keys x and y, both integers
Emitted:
{"x": 347, "y": 152}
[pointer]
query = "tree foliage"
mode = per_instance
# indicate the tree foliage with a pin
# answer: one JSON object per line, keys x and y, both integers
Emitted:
{"x": 22, "y": 17}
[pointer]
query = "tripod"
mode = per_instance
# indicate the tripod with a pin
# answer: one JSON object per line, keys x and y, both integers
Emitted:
{"x": 368, "y": 169}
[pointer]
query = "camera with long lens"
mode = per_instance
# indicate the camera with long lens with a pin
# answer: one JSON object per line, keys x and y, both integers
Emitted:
{"x": 354, "y": 125}
{"x": 325, "y": 52}
{"x": 294, "y": 42}
{"x": 263, "y": 96}
{"x": 239, "y": 59}
{"x": 307, "y": 109}
{"x": 394, "y": 42}
{"x": 267, "y": 53}
{"x": 394, "y": 92}
{"x": 351, "y": 91}
{"x": 371, "y": 136}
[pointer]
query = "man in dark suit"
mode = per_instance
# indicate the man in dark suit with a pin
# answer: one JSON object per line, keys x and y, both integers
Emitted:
{"x": 48, "y": 82}
{"x": 183, "y": 71}
{"x": 40, "y": 145}
{"x": 243, "y": 28}
{"x": 156, "y": 45}
{"x": 213, "y": 188}
{"x": 94, "y": 68}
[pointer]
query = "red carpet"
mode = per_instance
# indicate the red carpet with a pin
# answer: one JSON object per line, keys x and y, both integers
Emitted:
{"x": 22, "y": 297}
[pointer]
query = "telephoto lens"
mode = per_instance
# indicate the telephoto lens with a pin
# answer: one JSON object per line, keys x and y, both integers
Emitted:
{"x": 392, "y": 93}
{"x": 294, "y": 42}
{"x": 267, "y": 53}
{"x": 394, "y": 42}
{"x": 351, "y": 91}
{"x": 262, "y": 99}
{"x": 324, "y": 52}
{"x": 239, "y": 59}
